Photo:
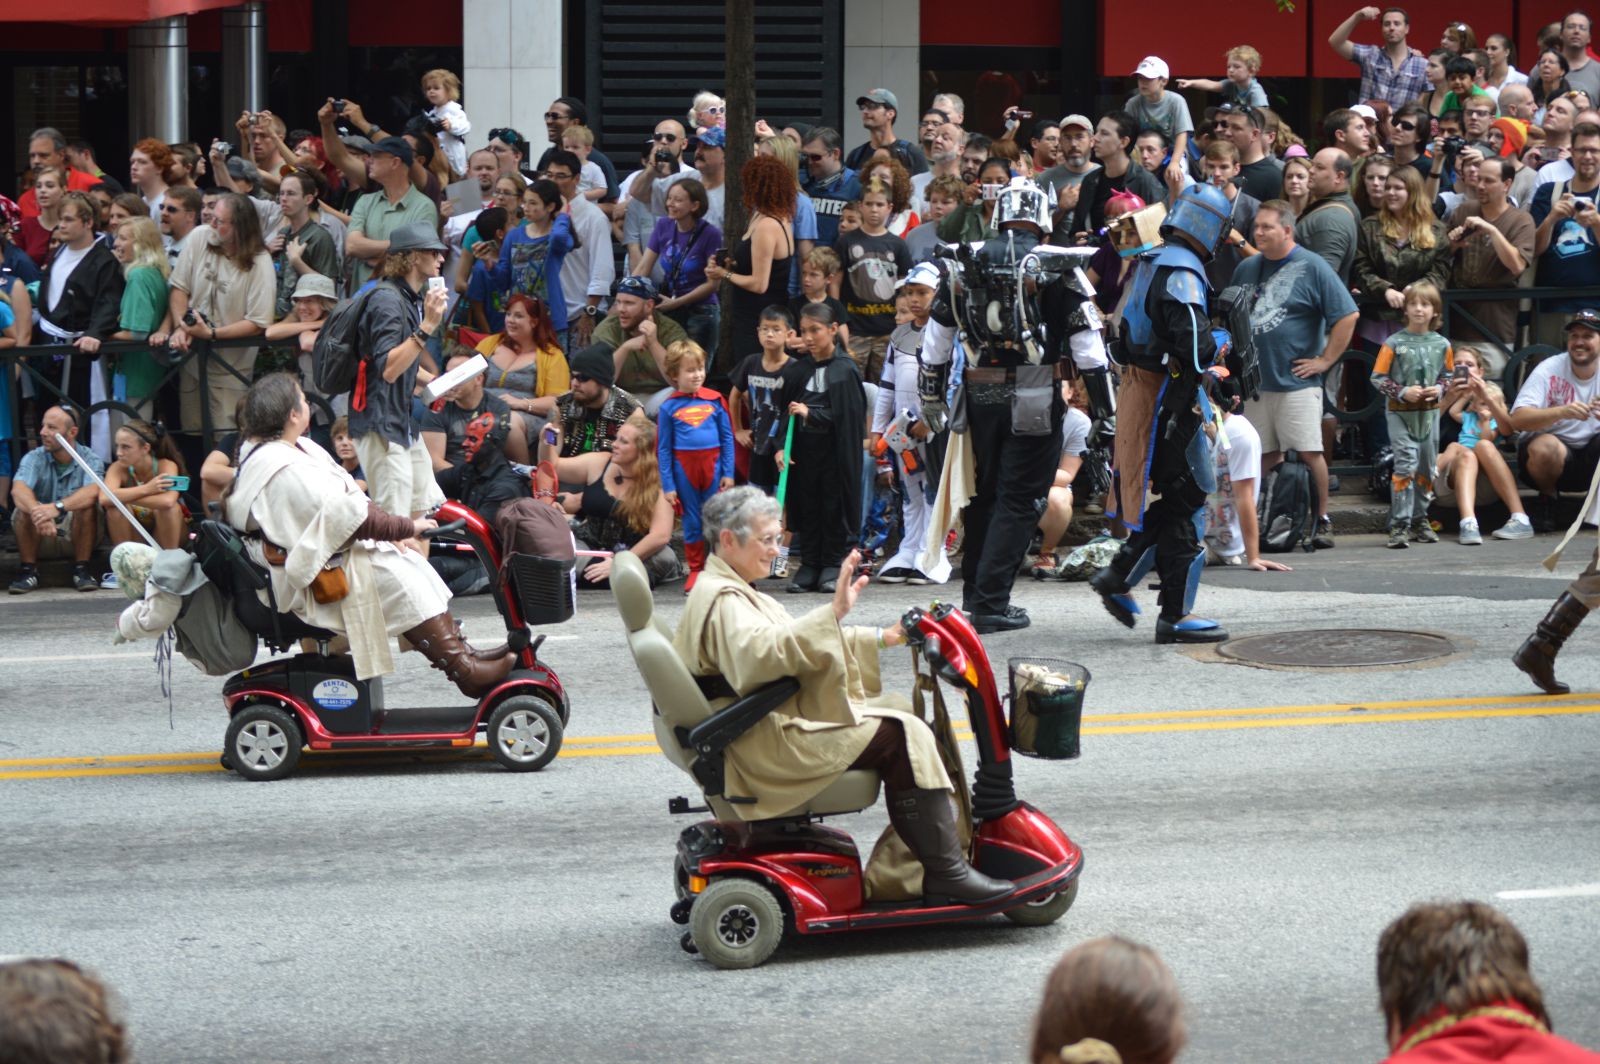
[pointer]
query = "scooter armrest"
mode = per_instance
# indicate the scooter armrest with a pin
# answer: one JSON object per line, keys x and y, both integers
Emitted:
{"x": 712, "y": 736}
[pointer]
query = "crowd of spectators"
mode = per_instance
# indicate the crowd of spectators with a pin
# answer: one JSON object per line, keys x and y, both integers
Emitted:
{"x": 574, "y": 274}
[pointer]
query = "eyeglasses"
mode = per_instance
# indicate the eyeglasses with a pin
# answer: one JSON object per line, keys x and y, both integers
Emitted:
{"x": 664, "y": 138}
{"x": 555, "y": 116}
{"x": 769, "y": 540}
{"x": 1586, "y": 151}
{"x": 871, "y": 105}
{"x": 558, "y": 175}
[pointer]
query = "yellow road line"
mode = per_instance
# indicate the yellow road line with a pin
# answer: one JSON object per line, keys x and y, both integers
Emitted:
{"x": 377, "y": 758}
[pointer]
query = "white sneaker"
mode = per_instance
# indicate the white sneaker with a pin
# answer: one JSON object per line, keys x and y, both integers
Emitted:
{"x": 1519, "y": 527}
{"x": 1469, "y": 535}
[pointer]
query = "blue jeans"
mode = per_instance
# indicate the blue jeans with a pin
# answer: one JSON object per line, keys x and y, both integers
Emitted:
{"x": 702, "y": 322}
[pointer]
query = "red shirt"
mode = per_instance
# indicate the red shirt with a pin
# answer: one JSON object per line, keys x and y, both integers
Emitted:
{"x": 1506, "y": 1034}
{"x": 77, "y": 181}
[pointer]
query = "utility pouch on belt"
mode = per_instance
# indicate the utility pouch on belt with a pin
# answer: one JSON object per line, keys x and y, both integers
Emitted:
{"x": 1032, "y": 400}
{"x": 330, "y": 585}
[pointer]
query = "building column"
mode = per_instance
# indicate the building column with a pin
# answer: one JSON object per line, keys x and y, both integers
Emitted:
{"x": 244, "y": 60}
{"x": 158, "y": 79}
{"x": 511, "y": 58}
{"x": 882, "y": 50}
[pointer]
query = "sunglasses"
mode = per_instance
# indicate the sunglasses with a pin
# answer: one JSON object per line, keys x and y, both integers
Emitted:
{"x": 578, "y": 378}
{"x": 816, "y": 157}
{"x": 167, "y": 208}
{"x": 714, "y": 110}
{"x": 666, "y": 138}
{"x": 555, "y": 116}
{"x": 1407, "y": 126}
{"x": 506, "y": 136}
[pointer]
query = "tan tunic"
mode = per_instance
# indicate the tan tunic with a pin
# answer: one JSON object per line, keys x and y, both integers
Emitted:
{"x": 302, "y": 500}
{"x": 730, "y": 628}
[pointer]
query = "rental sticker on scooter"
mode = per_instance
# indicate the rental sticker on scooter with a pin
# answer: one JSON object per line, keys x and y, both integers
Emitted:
{"x": 334, "y": 694}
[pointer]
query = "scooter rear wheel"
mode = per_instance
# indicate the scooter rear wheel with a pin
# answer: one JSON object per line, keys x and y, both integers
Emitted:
{"x": 263, "y": 743}
{"x": 736, "y": 923}
{"x": 1046, "y": 910}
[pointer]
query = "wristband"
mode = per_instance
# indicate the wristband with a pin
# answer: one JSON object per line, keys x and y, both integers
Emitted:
{"x": 881, "y": 644}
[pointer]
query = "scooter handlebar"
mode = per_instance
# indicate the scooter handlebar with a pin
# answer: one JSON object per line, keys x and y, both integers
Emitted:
{"x": 454, "y": 526}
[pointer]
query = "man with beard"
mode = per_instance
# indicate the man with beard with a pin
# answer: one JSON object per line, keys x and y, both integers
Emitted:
{"x": 1061, "y": 181}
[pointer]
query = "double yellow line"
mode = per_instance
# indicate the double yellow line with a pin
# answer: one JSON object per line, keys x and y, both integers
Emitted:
{"x": 1126, "y": 723}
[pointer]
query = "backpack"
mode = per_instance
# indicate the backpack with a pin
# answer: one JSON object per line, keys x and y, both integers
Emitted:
{"x": 1284, "y": 513}
{"x": 335, "y": 362}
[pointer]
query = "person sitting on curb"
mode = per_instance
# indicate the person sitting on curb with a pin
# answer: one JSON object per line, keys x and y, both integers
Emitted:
{"x": 56, "y": 503}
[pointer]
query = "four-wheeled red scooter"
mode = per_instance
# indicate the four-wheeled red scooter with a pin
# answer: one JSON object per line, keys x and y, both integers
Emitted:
{"x": 741, "y": 883}
{"x": 314, "y": 699}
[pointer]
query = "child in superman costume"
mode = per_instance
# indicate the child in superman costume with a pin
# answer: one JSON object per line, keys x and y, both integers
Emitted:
{"x": 694, "y": 447}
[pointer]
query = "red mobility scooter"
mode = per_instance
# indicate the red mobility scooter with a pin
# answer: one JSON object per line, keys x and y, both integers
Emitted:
{"x": 741, "y": 884}
{"x": 314, "y": 699}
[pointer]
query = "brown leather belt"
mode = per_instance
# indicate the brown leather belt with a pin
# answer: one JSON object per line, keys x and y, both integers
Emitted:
{"x": 1003, "y": 375}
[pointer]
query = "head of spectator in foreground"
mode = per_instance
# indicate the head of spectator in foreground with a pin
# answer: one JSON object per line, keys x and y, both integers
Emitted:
{"x": 47, "y": 147}
{"x": 414, "y": 255}
{"x": 1274, "y": 231}
{"x": 822, "y": 151}
{"x": 564, "y": 111}
{"x": 509, "y": 147}
{"x": 1109, "y": 1001}
{"x": 635, "y": 300}
{"x": 238, "y": 229}
{"x": 52, "y": 1010}
{"x": 707, "y": 111}
{"x": 1448, "y": 958}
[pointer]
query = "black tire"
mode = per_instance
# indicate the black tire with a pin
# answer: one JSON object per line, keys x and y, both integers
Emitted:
{"x": 1046, "y": 910}
{"x": 263, "y": 743}
{"x": 736, "y": 923}
{"x": 524, "y": 733}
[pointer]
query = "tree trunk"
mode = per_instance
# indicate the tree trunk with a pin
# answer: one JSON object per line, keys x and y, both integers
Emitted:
{"x": 740, "y": 92}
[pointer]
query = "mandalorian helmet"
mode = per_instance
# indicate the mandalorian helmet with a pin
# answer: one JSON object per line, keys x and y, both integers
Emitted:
{"x": 1204, "y": 214}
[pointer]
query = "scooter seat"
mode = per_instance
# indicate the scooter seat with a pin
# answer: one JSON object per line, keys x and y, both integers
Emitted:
{"x": 854, "y": 790}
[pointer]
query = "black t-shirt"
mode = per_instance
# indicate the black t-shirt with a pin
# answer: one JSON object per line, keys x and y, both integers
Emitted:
{"x": 769, "y": 393}
{"x": 452, "y": 421}
{"x": 800, "y": 302}
{"x": 1263, "y": 179}
{"x": 872, "y": 265}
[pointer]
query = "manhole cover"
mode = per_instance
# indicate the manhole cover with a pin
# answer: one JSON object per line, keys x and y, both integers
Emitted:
{"x": 1332, "y": 648}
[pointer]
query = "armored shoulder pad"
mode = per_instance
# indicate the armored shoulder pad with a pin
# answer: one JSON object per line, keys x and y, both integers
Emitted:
{"x": 1186, "y": 287}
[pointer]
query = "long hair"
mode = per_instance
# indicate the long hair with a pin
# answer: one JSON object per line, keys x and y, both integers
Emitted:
{"x": 1358, "y": 181}
{"x": 782, "y": 148}
{"x": 247, "y": 242}
{"x": 1415, "y": 223}
{"x": 158, "y": 439}
{"x": 147, "y": 248}
{"x": 545, "y": 337}
{"x": 1114, "y": 991}
{"x": 640, "y": 506}
{"x": 769, "y": 187}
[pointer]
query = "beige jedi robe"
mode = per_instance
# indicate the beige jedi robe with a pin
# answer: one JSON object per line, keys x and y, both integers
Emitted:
{"x": 298, "y": 497}
{"x": 731, "y": 629}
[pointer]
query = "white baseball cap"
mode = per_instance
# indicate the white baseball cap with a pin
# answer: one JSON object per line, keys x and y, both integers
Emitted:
{"x": 1365, "y": 111}
{"x": 1151, "y": 66}
{"x": 923, "y": 273}
{"x": 1076, "y": 120}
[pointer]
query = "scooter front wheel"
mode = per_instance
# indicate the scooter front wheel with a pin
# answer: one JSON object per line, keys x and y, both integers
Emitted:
{"x": 1047, "y": 910}
{"x": 736, "y": 923}
{"x": 263, "y": 743}
{"x": 524, "y": 733}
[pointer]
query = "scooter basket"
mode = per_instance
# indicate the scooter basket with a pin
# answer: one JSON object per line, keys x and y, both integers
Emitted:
{"x": 543, "y": 587}
{"x": 1046, "y": 706}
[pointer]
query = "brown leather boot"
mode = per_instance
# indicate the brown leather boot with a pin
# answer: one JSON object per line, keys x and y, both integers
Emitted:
{"x": 1537, "y": 654}
{"x": 492, "y": 654}
{"x": 925, "y": 820}
{"x": 437, "y": 640}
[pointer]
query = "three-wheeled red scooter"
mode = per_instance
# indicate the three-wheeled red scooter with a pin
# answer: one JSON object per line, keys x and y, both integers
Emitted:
{"x": 315, "y": 700}
{"x": 742, "y": 884}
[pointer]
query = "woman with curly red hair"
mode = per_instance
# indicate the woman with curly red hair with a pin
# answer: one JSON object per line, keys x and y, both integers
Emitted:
{"x": 758, "y": 268}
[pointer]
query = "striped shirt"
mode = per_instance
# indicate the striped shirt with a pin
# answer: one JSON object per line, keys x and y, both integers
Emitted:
{"x": 1381, "y": 81}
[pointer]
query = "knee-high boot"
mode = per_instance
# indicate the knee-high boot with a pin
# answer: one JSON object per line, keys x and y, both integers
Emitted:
{"x": 1537, "y": 654}
{"x": 925, "y": 821}
{"x": 437, "y": 640}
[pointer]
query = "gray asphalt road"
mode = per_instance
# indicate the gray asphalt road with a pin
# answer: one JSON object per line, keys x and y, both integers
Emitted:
{"x": 443, "y": 910}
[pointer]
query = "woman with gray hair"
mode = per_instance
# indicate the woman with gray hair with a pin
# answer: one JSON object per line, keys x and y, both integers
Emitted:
{"x": 742, "y": 640}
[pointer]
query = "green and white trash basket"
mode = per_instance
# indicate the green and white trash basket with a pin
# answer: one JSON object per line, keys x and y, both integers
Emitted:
{"x": 1047, "y": 707}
